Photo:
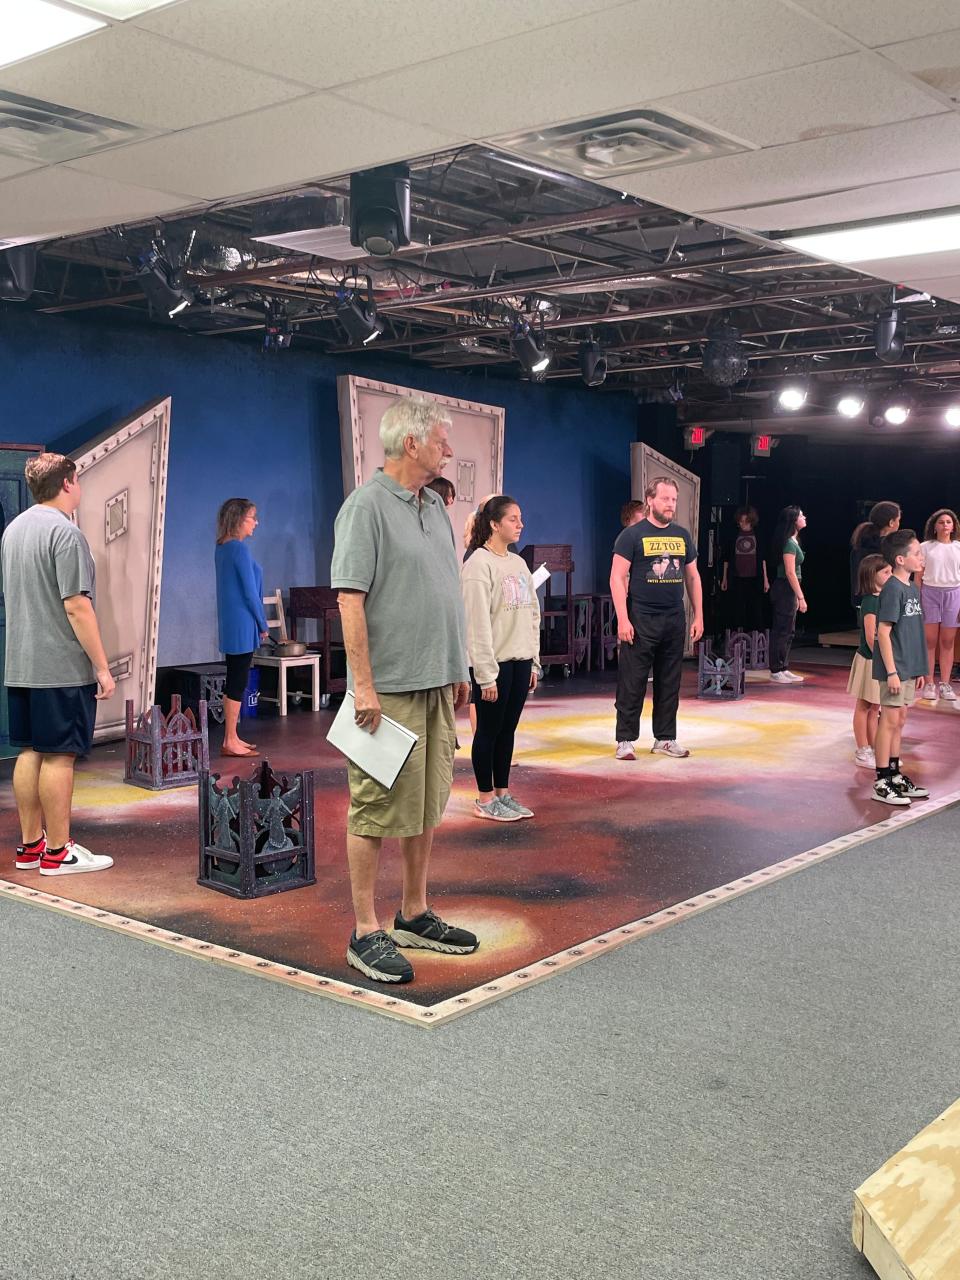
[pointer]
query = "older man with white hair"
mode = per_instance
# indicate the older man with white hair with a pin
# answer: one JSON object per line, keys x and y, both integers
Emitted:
{"x": 396, "y": 568}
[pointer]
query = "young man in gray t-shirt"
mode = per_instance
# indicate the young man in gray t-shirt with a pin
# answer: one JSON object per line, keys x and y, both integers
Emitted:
{"x": 55, "y": 667}
{"x": 899, "y": 664}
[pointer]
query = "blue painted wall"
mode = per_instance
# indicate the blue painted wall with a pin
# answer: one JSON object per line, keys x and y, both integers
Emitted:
{"x": 266, "y": 426}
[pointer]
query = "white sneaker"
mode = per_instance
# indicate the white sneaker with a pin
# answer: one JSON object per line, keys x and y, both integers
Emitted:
{"x": 668, "y": 747}
{"x": 864, "y": 756}
{"x": 780, "y": 677}
{"x": 930, "y": 692}
{"x": 74, "y": 859}
{"x": 947, "y": 693}
{"x": 625, "y": 751}
{"x": 793, "y": 677}
{"x": 495, "y": 811}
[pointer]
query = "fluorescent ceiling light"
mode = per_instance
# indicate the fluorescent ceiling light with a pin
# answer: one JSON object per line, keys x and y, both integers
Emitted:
{"x": 870, "y": 242}
{"x": 31, "y": 26}
{"x": 121, "y": 8}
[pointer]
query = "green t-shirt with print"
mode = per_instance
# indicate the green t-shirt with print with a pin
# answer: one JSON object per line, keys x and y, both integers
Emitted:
{"x": 869, "y": 604}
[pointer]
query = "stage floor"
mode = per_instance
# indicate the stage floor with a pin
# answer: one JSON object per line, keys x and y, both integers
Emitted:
{"x": 616, "y": 848}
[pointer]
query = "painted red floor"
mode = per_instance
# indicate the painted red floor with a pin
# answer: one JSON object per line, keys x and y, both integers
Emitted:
{"x": 771, "y": 776}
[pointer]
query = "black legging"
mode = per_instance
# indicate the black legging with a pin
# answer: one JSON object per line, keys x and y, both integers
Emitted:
{"x": 497, "y": 723}
{"x": 238, "y": 673}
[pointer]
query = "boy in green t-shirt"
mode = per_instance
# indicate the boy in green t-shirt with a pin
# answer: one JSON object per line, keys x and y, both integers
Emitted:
{"x": 899, "y": 664}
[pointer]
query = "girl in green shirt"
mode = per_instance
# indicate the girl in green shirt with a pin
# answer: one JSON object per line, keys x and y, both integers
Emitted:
{"x": 872, "y": 574}
{"x": 786, "y": 594}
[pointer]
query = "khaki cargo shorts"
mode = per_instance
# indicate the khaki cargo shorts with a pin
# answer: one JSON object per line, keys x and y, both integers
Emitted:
{"x": 903, "y": 698}
{"x": 420, "y": 793}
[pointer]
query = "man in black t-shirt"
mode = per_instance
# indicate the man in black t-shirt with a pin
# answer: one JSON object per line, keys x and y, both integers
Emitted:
{"x": 653, "y": 561}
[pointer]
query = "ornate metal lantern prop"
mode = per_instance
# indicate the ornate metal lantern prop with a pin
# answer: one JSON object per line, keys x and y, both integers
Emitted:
{"x": 719, "y": 677}
{"x": 165, "y": 751}
{"x": 256, "y": 837}
{"x": 755, "y": 646}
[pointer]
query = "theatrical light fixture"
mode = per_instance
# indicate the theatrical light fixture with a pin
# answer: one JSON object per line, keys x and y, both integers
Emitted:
{"x": 593, "y": 364}
{"x": 166, "y": 296}
{"x": 277, "y": 331}
{"x": 792, "y": 395}
{"x": 380, "y": 210}
{"x": 852, "y": 403}
{"x": 530, "y": 351}
{"x": 888, "y": 336}
{"x": 18, "y": 270}
{"x": 31, "y": 26}
{"x": 899, "y": 238}
{"x": 724, "y": 356}
{"x": 897, "y": 409}
{"x": 952, "y": 415}
{"x": 359, "y": 318}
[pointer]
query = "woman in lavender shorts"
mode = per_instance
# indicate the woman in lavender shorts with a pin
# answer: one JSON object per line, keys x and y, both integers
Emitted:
{"x": 940, "y": 597}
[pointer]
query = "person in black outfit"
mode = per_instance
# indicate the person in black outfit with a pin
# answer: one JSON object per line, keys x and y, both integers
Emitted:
{"x": 884, "y": 518}
{"x": 655, "y": 559}
{"x": 744, "y": 576}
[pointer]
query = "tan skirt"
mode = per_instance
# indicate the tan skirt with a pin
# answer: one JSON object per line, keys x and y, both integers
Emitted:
{"x": 861, "y": 683}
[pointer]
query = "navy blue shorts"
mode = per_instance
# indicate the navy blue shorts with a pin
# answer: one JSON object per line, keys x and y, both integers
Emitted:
{"x": 53, "y": 721}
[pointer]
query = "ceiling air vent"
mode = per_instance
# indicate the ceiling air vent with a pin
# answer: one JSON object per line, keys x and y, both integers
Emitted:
{"x": 309, "y": 223}
{"x": 627, "y": 142}
{"x": 48, "y": 134}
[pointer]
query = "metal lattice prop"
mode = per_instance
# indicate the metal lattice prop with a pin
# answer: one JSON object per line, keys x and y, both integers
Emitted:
{"x": 166, "y": 751}
{"x": 256, "y": 837}
{"x": 719, "y": 677}
{"x": 755, "y": 646}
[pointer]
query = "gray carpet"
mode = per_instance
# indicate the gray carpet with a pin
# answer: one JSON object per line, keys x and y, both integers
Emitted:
{"x": 701, "y": 1104}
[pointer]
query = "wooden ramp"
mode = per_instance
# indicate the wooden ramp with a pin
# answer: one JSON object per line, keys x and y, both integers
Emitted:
{"x": 906, "y": 1217}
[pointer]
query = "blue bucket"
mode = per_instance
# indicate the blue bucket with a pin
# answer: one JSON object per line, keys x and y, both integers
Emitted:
{"x": 251, "y": 696}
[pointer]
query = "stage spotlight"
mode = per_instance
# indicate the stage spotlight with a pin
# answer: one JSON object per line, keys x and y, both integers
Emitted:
{"x": 380, "y": 210}
{"x": 852, "y": 403}
{"x": 724, "y": 356}
{"x": 359, "y": 318}
{"x": 897, "y": 410}
{"x": 160, "y": 285}
{"x": 593, "y": 364}
{"x": 792, "y": 395}
{"x": 277, "y": 331}
{"x": 888, "y": 336}
{"x": 18, "y": 270}
{"x": 952, "y": 415}
{"x": 529, "y": 350}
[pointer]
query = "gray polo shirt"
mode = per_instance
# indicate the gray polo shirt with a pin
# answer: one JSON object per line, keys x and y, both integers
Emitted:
{"x": 398, "y": 547}
{"x": 46, "y": 559}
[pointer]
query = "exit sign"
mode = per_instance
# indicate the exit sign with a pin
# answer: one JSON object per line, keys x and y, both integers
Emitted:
{"x": 760, "y": 446}
{"x": 694, "y": 437}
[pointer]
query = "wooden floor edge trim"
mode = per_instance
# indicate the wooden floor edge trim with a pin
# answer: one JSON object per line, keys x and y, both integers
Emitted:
{"x": 445, "y": 1011}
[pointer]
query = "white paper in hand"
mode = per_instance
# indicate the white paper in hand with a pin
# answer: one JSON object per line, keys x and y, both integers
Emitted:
{"x": 540, "y": 576}
{"x": 382, "y": 754}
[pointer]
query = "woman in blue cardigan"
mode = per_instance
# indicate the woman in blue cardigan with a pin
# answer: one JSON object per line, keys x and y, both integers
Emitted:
{"x": 239, "y": 612}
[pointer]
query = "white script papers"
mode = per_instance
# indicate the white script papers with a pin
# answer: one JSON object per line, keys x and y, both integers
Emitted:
{"x": 382, "y": 754}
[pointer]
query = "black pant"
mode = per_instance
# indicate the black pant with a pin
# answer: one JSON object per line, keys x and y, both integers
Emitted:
{"x": 658, "y": 644}
{"x": 783, "y": 603}
{"x": 238, "y": 673}
{"x": 497, "y": 723}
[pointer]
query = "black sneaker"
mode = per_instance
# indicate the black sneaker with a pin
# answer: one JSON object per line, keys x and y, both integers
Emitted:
{"x": 433, "y": 933}
{"x": 908, "y": 788}
{"x": 885, "y": 791}
{"x": 376, "y": 957}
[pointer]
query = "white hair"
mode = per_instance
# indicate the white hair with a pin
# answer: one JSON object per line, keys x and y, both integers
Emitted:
{"x": 409, "y": 417}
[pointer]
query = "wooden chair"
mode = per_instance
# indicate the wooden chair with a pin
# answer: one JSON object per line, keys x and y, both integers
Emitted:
{"x": 320, "y": 603}
{"x": 282, "y": 663}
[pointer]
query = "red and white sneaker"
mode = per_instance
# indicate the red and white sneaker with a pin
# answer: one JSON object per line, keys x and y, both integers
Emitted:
{"x": 72, "y": 859}
{"x": 28, "y": 859}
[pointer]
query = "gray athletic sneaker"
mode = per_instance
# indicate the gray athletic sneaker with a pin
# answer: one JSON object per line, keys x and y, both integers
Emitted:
{"x": 669, "y": 747}
{"x": 495, "y": 810}
{"x": 514, "y": 806}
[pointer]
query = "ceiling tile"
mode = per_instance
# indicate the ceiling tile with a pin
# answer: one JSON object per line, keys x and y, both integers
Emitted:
{"x": 644, "y": 50}
{"x": 916, "y": 264}
{"x": 59, "y": 201}
{"x": 837, "y": 96}
{"x": 880, "y": 200}
{"x": 947, "y": 287}
{"x": 138, "y": 78}
{"x": 324, "y": 44}
{"x": 315, "y": 137}
{"x": 800, "y": 169}
{"x": 934, "y": 60}
{"x": 12, "y": 165}
{"x": 877, "y": 22}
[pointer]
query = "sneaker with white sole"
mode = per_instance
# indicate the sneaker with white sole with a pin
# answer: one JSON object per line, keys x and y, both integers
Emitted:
{"x": 669, "y": 747}
{"x": 508, "y": 802}
{"x": 780, "y": 677}
{"x": 947, "y": 694}
{"x": 907, "y": 787}
{"x": 71, "y": 860}
{"x": 495, "y": 810}
{"x": 930, "y": 693}
{"x": 887, "y": 793}
{"x": 864, "y": 756}
{"x": 375, "y": 955}
{"x": 429, "y": 931}
{"x": 793, "y": 677}
{"x": 626, "y": 751}
{"x": 28, "y": 856}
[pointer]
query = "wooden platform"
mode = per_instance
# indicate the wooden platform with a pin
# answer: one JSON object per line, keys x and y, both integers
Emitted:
{"x": 906, "y": 1217}
{"x": 839, "y": 639}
